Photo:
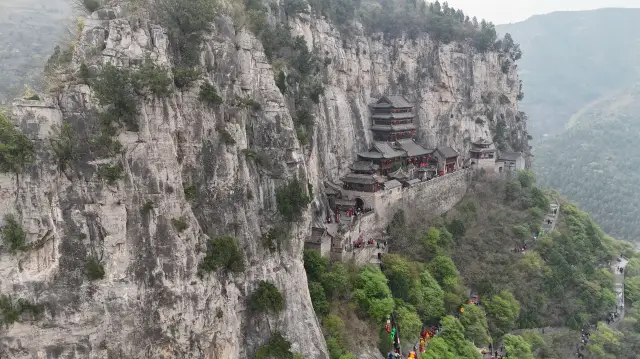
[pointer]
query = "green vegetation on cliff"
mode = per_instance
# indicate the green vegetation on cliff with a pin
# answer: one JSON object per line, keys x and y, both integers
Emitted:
{"x": 424, "y": 279}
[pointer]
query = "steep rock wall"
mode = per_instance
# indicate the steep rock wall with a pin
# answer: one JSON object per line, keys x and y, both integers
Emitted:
{"x": 151, "y": 302}
{"x": 459, "y": 94}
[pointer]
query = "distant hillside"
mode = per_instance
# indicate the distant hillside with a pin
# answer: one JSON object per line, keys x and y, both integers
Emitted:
{"x": 572, "y": 59}
{"x": 29, "y": 30}
{"x": 595, "y": 162}
{"x": 579, "y": 71}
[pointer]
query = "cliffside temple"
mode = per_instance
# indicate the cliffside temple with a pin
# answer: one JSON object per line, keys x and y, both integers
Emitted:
{"x": 397, "y": 172}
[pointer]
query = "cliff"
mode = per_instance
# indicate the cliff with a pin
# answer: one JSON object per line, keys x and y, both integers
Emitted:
{"x": 151, "y": 302}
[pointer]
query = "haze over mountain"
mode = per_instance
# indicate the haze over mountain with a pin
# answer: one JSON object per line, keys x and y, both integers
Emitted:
{"x": 580, "y": 71}
{"x": 29, "y": 30}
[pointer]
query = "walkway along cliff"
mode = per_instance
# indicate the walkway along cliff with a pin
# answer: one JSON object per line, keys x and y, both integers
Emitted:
{"x": 205, "y": 161}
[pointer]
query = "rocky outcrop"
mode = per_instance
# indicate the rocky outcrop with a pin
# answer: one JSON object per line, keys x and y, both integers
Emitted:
{"x": 151, "y": 302}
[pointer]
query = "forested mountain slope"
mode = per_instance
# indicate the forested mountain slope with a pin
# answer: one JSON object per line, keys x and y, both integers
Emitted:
{"x": 579, "y": 72}
{"x": 595, "y": 162}
{"x": 29, "y": 30}
{"x": 572, "y": 59}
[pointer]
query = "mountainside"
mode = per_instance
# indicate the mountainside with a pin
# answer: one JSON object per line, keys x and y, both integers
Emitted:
{"x": 175, "y": 160}
{"x": 580, "y": 72}
{"x": 29, "y": 30}
{"x": 593, "y": 162}
{"x": 572, "y": 59}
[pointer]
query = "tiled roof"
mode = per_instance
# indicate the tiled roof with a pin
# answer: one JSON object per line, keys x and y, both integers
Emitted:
{"x": 386, "y": 150}
{"x": 509, "y": 156}
{"x": 392, "y": 101}
{"x": 448, "y": 152}
{"x": 399, "y": 101}
{"x": 412, "y": 148}
{"x": 370, "y": 155}
{"x": 358, "y": 178}
{"x": 393, "y": 116}
{"x": 482, "y": 141}
{"x": 392, "y": 184}
{"x": 393, "y": 128}
{"x": 364, "y": 166}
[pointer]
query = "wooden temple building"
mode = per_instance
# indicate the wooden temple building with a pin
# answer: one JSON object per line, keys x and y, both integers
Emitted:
{"x": 394, "y": 154}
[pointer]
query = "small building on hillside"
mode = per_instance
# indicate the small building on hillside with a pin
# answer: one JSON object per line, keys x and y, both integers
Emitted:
{"x": 510, "y": 162}
{"x": 483, "y": 155}
{"x": 392, "y": 119}
{"x": 319, "y": 241}
{"x": 447, "y": 159}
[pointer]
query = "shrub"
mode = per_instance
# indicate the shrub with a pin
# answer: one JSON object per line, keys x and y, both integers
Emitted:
{"x": 318, "y": 299}
{"x": 187, "y": 17}
{"x": 111, "y": 173}
{"x": 113, "y": 86}
{"x": 208, "y": 93}
{"x": 180, "y": 224}
{"x": 248, "y": 102}
{"x": 33, "y": 97}
{"x": 64, "y": 144}
{"x": 13, "y": 235}
{"x": 266, "y": 298}
{"x": 372, "y": 294}
{"x": 281, "y": 82}
{"x": 315, "y": 265}
{"x": 273, "y": 239}
{"x": 222, "y": 252}
{"x": 16, "y": 150}
{"x": 277, "y": 347}
{"x": 95, "y": 269}
{"x": 292, "y": 200}
{"x": 91, "y": 5}
{"x": 185, "y": 76}
{"x": 190, "y": 192}
{"x": 84, "y": 73}
{"x": 153, "y": 78}
{"x": 147, "y": 206}
{"x": 10, "y": 311}
{"x": 225, "y": 135}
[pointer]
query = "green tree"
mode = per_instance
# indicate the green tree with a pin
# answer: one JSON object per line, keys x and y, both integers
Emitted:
{"x": 513, "y": 190}
{"x": 396, "y": 269}
{"x": 292, "y": 200}
{"x": 315, "y": 265}
{"x": 372, "y": 294}
{"x": 13, "y": 235}
{"x": 222, "y": 252}
{"x": 318, "y": 298}
{"x": 632, "y": 289}
{"x": 503, "y": 310}
{"x": 409, "y": 322}
{"x": 266, "y": 298}
{"x": 474, "y": 321}
{"x": 428, "y": 298}
{"x": 438, "y": 348}
{"x": 526, "y": 178}
{"x": 187, "y": 17}
{"x": 453, "y": 334}
{"x": 65, "y": 144}
{"x": 16, "y": 150}
{"x": 444, "y": 271}
{"x": 517, "y": 347}
{"x": 336, "y": 282}
{"x": 604, "y": 343}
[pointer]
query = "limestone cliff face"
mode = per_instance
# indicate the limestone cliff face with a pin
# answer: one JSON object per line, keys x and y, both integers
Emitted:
{"x": 151, "y": 303}
{"x": 459, "y": 94}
